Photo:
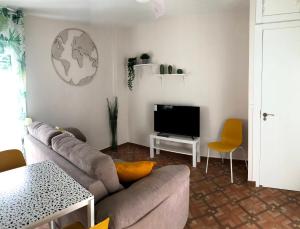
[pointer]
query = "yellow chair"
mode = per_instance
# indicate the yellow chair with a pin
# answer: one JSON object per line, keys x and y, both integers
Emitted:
{"x": 11, "y": 159}
{"x": 231, "y": 139}
{"x": 78, "y": 225}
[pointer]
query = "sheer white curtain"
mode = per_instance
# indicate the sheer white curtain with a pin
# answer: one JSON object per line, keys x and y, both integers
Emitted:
{"x": 10, "y": 123}
{"x": 12, "y": 79}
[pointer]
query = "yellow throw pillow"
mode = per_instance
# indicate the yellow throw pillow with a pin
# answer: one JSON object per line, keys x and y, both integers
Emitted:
{"x": 132, "y": 171}
{"x": 102, "y": 225}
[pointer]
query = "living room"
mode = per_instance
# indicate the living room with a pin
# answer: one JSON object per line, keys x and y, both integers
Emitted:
{"x": 136, "y": 56}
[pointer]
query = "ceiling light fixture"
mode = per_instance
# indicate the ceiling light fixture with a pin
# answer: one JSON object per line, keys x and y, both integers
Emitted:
{"x": 158, "y": 7}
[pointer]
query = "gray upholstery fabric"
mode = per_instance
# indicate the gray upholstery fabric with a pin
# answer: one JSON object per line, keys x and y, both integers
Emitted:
{"x": 43, "y": 132}
{"x": 98, "y": 165}
{"x": 77, "y": 133}
{"x": 129, "y": 206}
{"x": 171, "y": 213}
{"x": 36, "y": 152}
{"x": 160, "y": 200}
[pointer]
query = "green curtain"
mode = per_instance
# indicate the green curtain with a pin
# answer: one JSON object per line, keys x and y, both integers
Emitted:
{"x": 12, "y": 64}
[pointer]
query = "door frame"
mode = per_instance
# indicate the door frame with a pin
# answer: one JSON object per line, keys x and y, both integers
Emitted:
{"x": 257, "y": 91}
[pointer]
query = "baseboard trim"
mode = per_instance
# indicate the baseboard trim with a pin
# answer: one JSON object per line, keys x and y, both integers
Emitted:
{"x": 121, "y": 145}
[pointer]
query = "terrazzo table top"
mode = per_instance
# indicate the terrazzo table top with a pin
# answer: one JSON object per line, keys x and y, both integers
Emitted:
{"x": 31, "y": 193}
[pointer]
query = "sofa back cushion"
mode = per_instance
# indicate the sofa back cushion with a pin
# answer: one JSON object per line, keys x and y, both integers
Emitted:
{"x": 43, "y": 132}
{"x": 36, "y": 151}
{"x": 88, "y": 159}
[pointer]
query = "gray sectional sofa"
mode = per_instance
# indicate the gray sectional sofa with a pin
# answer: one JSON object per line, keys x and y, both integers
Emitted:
{"x": 158, "y": 201}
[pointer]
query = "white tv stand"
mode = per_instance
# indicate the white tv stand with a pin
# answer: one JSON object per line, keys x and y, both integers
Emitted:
{"x": 158, "y": 143}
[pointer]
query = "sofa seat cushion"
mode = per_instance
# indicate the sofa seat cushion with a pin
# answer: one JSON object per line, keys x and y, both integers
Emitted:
{"x": 43, "y": 132}
{"x": 88, "y": 159}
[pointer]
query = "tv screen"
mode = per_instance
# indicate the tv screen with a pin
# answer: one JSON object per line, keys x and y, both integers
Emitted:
{"x": 179, "y": 120}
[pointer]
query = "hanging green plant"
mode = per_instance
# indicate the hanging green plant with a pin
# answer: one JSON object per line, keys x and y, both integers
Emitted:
{"x": 131, "y": 74}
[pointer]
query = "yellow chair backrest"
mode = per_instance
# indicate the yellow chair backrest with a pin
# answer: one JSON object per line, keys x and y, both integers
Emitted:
{"x": 11, "y": 159}
{"x": 232, "y": 132}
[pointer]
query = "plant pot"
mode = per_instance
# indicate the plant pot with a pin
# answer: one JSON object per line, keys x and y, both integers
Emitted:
{"x": 114, "y": 137}
{"x": 145, "y": 61}
{"x": 170, "y": 69}
{"x": 162, "y": 69}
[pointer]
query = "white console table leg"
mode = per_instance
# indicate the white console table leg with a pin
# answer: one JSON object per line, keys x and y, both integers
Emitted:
{"x": 151, "y": 146}
{"x": 194, "y": 155}
{"x": 157, "y": 150}
{"x": 198, "y": 152}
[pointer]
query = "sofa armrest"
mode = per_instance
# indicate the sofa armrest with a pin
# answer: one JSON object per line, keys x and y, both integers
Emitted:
{"x": 128, "y": 206}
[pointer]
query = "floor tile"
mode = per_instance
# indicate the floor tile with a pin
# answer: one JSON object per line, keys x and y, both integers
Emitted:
{"x": 216, "y": 203}
{"x": 274, "y": 219}
{"x": 230, "y": 215}
{"x": 216, "y": 199}
{"x": 204, "y": 222}
{"x": 253, "y": 205}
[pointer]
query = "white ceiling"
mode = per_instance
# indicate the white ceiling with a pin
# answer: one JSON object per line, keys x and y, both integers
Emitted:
{"x": 123, "y": 12}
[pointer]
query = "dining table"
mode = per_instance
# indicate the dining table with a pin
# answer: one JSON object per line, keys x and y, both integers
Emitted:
{"x": 36, "y": 194}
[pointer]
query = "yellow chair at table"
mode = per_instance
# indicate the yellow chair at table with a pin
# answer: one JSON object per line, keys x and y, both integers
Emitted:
{"x": 11, "y": 159}
{"x": 77, "y": 225}
{"x": 231, "y": 140}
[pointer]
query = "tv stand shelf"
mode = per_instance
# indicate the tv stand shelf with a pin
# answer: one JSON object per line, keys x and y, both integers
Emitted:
{"x": 158, "y": 143}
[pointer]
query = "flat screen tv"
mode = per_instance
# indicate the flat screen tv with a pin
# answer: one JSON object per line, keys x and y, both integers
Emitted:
{"x": 178, "y": 120}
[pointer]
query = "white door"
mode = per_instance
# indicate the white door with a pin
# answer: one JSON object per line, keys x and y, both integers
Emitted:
{"x": 277, "y": 10}
{"x": 280, "y": 134}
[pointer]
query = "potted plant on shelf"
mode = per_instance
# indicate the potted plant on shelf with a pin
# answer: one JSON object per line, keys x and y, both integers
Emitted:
{"x": 113, "y": 122}
{"x": 145, "y": 58}
{"x": 131, "y": 74}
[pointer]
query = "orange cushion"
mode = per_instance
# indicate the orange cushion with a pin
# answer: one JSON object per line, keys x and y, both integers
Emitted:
{"x": 132, "y": 171}
{"x": 102, "y": 225}
{"x": 78, "y": 225}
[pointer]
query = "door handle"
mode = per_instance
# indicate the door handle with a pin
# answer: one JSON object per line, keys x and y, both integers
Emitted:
{"x": 265, "y": 115}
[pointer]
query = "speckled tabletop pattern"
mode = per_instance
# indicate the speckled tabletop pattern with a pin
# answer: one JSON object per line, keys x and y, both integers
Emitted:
{"x": 31, "y": 193}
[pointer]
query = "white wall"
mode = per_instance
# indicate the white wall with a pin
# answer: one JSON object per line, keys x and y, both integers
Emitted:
{"x": 55, "y": 102}
{"x": 213, "y": 48}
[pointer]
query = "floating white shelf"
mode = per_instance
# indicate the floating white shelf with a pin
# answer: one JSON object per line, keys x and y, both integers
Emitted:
{"x": 144, "y": 65}
{"x": 162, "y": 75}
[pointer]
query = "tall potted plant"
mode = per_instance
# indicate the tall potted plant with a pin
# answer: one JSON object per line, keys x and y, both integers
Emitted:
{"x": 113, "y": 122}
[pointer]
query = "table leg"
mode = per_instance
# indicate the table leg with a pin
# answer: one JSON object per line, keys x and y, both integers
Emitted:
{"x": 157, "y": 150}
{"x": 52, "y": 224}
{"x": 198, "y": 152}
{"x": 91, "y": 214}
{"x": 151, "y": 147}
{"x": 194, "y": 155}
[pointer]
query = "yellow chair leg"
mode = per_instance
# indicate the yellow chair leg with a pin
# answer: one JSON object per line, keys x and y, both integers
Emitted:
{"x": 231, "y": 172}
{"x": 207, "y": 159}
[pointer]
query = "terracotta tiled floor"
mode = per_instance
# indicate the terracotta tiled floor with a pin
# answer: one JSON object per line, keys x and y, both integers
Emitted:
{"x": 216, "y": 203}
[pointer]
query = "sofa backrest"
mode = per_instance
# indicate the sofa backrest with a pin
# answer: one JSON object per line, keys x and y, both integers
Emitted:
{"x": 36, "y": 152}
{"x": 43, "y": 132}
{"x": 88, "y": 159}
